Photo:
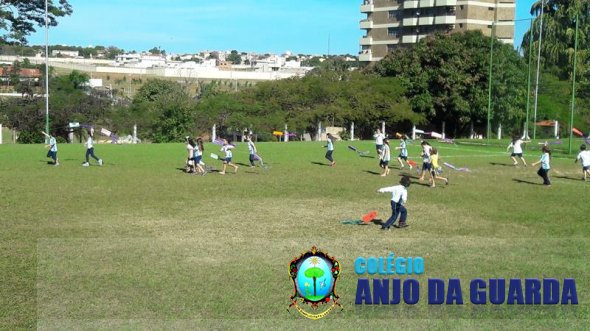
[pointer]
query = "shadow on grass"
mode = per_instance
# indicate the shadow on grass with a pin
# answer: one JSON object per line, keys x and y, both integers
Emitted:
{"x": 242, "y": 164}
{"x": 372, "y": 172}
{"x": 320, "y": 163}
{"x": 570, "y": 178}
{"x": 520, "y": 181}
{"x": 502, "y": 164}
{"x": 367, "y": 156}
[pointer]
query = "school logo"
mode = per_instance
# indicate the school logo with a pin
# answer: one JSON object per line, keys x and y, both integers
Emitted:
{"x": 314, "y": 275}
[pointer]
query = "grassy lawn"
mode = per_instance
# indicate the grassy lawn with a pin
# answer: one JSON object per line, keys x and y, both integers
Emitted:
{"x": 138, "y": 244}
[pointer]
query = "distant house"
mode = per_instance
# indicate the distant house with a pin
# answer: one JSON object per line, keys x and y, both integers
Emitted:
{"x": 64, "y": 53}
{"x": 32, "y": 75}
{"x": 140, "y": 60}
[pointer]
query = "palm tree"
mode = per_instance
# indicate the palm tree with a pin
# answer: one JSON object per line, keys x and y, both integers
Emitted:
{"x": 559, "y": 22}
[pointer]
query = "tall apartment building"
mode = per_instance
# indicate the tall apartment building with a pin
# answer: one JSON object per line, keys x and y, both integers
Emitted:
{"x": 397, "y": 23}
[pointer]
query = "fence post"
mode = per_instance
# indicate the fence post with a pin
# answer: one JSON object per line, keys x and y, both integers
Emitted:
{"x": 286, "y": 133}
{"x": 134, "y": 133}
{"x": 213, "y": 133}
{"x": 352, "y": 131}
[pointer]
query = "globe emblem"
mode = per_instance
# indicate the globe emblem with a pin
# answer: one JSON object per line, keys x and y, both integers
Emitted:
{"x": 314, "y": 280}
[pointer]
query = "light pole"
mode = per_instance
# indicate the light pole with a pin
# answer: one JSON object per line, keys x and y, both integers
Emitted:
{"x": 574, "y": 85}
{"x": 46, "y": 73}
{"x": 489, "y": 131}
{"x": 538, "y": 69}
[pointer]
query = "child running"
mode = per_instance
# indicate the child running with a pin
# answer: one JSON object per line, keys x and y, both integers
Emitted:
{"x": 52, "y": 153}
{"x": 198, "y": 152}
{"x": 385, "y": 157}
{"x": 330, "y": 150}
{"x": 379, "y": 141}
{"x": 90, "y": 150}
{"x": 426, "y": 165}
{"x": 190, "y": 160}
{"x": 584, "y": 157}
{"x": 399, "y": 196}
{"x": 403, "y": 152}
{"x": 251, "y": 151}
{"x": 516, "y": 146}
{"x": 227, "y": 147}
{"x": 545, "y": 165}
{"x": 435, "y": 169}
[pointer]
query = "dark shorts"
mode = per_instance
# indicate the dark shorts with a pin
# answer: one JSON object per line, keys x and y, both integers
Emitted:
{"x": 426, "y": 166}
{"x": 585, "y": 168}
{"x": 227, "y": 160}
{"x": 402, "y": 157}
{"x": 516, "y": 154}
{"x": 198, "y": 159}
{"x": 379, "y": 148}
{"x": 52, "y": 155}
{"x": 384, "y": 163}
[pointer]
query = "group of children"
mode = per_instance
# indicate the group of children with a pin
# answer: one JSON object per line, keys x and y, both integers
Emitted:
{"x": 195, "y": 149}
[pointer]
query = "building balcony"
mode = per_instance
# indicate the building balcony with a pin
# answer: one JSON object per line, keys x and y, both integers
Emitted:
{"x": 366, "y": 24}
{"x": 409, "y": 39}
{"x": 367, "y": 8}
{"x": 366, "y": 41}
{"x": 410, "y": 21}
{"x": 426, "y": 3}
{"x": 440, "y": 3}
{"x": 365, "y": 56}
{"x": 450, "y": 19}
{"x": 411, "y": 4}
{"x": 428, "y": 20}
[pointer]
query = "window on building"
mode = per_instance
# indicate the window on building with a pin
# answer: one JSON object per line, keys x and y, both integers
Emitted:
{"x": 392, "y": 14}
{"x": 392, "y": 32}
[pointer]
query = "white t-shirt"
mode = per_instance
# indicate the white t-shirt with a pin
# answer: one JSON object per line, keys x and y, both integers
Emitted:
{"x": 198, "y": 151}
{"x": 516, "y": 146}
{"x": 379, "y": 138}
{"x": 251, "y": 148}
{"x": 584, "y": 157}
{"x": 227, "y": 149}
{"x": 53, "y": 144}
{"x": 386, "y": 153}
{"x": 397, "y": 192}
{"x": 191, "y": 151}
{"x": 89, "y": 143}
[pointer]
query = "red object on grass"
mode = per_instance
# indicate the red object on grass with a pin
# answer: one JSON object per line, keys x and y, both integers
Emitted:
{"x": 412, "y": 163}
{"x": 369, "y": 216}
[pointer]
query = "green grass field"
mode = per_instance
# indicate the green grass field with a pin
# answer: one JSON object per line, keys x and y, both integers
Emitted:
{"x": 138, "y": 244}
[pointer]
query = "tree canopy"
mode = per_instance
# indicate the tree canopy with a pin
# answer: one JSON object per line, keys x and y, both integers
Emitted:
{"x": 446, "y": 79}
{"x": 19, "y": 18}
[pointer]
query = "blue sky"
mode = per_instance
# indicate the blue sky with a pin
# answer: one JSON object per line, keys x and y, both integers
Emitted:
{"x": 188, "y": 26}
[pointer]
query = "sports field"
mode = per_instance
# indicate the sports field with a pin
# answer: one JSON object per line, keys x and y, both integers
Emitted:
{"x": 139, "y": 244}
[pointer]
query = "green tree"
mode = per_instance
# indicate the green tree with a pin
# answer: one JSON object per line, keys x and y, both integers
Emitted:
{"x": 557, "y": 44}
{"x": 446, "y": 79}
{"x": 163, "y": 111}
{"x": 234, "y": 57}
{"x": 19, "y": 18}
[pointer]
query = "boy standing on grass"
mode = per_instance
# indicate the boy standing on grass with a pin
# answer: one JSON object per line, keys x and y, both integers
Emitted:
{"x": 379, "y": 136}
{"x": 52, "y": 153}
{"x": 584, "y": 157}
{"x": 330, "y": 150}
{"x": 545, "y": 167}
{"x": 385, "y": 157}
{"x": 399, "y": 196}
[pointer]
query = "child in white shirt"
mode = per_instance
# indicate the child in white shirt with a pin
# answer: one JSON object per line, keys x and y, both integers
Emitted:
{"x": 399, "y": 196}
